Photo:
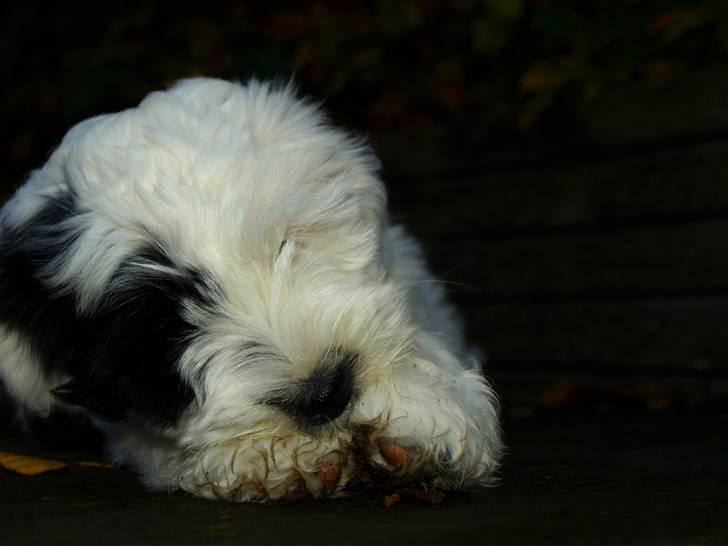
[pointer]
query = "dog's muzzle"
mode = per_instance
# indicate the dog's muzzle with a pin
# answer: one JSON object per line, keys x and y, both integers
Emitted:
{"x": 324, "y": 395}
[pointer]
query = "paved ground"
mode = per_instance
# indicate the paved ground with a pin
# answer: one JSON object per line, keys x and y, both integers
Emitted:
{"x": 632, "y": 479}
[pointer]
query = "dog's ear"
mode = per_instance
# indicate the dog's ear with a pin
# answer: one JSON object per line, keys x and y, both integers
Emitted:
{"x": 126, "y": 365}
{"x": 123, "y": 353}
{"x": 43, "y": 316}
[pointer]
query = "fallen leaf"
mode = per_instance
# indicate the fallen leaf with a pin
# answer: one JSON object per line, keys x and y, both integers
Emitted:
{"x": 391, "y": 500}
{"x": 658, "y": 70}
{"x": 563, "y": 394}
{"x": 661, "y": 22}
{"x": 541, "y": 77}
{"x": 29, "y": 466}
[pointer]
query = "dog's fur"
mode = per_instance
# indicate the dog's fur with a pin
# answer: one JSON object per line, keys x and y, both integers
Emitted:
{"x": 214, "y": 278}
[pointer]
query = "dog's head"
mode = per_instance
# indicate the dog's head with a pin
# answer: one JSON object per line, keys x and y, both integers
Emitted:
{"x": 212, "y": 275}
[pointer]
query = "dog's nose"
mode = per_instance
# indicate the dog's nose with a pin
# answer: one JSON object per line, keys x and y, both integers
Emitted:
{"x": 324, "y": 395}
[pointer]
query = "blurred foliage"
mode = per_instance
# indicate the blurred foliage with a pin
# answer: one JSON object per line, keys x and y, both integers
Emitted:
{"x": 510, "y": 65}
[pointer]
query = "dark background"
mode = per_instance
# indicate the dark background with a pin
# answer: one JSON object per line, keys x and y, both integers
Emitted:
{"x": 565, "y": 163}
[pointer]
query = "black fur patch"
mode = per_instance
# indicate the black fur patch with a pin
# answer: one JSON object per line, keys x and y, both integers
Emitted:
{"x": 47, "y": 319}
{"x": 123, "y": 357}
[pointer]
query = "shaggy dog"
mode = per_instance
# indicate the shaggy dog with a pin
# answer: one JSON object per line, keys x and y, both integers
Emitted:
{"x": 213, "y": 277}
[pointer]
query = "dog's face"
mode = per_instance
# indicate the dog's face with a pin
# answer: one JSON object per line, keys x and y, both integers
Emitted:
{"x": 214, "y": 278}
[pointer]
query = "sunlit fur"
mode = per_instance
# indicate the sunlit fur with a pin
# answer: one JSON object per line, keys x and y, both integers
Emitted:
{"x": 285, "y": 219}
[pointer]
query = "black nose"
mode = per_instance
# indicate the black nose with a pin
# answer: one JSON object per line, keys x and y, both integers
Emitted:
{"x": 323, "y": 395}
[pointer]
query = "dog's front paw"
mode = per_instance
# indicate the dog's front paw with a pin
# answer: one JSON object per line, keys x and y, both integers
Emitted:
{"x": 269, "y": 469}
{"x": 444, "y": 433}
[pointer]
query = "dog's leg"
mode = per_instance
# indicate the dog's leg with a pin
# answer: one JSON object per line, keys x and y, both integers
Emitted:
{"x": 442, "y": 416}
{"x": 25, "y": 378}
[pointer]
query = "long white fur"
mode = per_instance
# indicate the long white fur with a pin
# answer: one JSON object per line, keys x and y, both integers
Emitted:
{"x": 288, "y": 216}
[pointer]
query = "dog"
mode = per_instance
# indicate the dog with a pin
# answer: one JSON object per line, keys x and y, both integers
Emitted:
{"x": 214, "y": 279}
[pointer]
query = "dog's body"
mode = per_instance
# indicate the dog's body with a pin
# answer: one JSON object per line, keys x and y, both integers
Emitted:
{"x": 213, "y": 277}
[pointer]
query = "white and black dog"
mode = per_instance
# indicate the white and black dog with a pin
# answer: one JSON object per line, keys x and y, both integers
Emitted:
{"x": 213, "y": 277}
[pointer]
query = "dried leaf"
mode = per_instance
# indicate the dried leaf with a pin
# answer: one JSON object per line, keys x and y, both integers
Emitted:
{"x": 391, "y": 500}
{"x": 658, "y": 70}
{"x": 562, "y": 395}
{"x": 660, "y": 22}
{"x": 29, "y": 466}
{"x": 541, "y": 77}
{"x": 672, "y": 26}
